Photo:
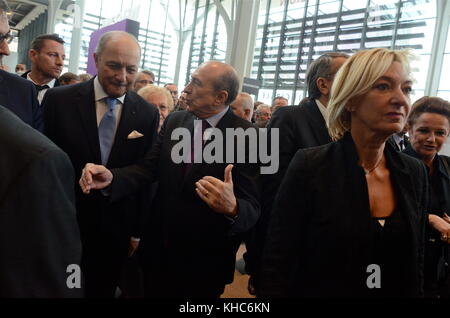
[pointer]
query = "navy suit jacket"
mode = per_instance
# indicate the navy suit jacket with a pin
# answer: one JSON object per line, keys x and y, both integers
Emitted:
{"x": 20, "y": 97}
{"x": 39, "y": 236}
{"x": 71, "y": 123}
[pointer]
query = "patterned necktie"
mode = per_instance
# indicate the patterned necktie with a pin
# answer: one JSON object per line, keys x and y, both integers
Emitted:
{"x": 107, "y": 130}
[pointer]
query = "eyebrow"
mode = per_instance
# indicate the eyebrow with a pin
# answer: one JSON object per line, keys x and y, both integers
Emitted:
{"x": 390, "y": 79}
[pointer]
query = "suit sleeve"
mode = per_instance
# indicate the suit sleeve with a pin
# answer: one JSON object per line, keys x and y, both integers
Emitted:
{"x": 424, "y": 211}
{"x": 42, "y": 236}
{"x": 287, "y": 225}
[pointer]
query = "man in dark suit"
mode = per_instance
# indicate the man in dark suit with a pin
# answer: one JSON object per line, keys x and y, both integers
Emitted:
{"x": 103, "y": 121}
{"x": 299, "y": 127}
{"x": 16, "y": 94}
{"x": 190, "y": 246}
{"x": 47, "y": 60}
{"x": 39, "y": 236}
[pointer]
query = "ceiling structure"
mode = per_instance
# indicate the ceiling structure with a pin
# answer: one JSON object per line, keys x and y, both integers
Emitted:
{"x": 25, "y": 11}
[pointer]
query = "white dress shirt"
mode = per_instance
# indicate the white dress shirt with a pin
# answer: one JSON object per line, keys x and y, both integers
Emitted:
{"x": 323, "y": 109}
{"x": 100, "y": 104}
{"x": 42, "y": 92}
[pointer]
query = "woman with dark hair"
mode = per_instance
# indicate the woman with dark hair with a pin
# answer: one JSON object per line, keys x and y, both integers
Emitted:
{"x": 429, "y": 128}
{"x": 349, "y": 217}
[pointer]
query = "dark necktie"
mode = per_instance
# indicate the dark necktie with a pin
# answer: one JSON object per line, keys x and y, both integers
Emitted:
{"x": 401, "y": 145}
{"x": 107, "y": 130}
{"x": 205, "y": 125}
{"x": 41, "y": 87}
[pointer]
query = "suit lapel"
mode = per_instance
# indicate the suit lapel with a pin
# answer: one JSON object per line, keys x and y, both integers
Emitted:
{"x": 317, "y": 123}
{"x": 4, "y": 92}
{"x": 403, "y": 182}
{"x": 86, "y": 107}
{"x": 127, "y": 122}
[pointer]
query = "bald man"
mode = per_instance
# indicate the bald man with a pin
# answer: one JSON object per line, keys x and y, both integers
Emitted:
{"x": 105, "y": 122}
{"x": 243, "y": 106}
{"x": 202, "y": 208}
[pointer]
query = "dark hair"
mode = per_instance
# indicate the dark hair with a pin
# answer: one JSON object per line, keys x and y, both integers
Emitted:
{"x": 149, "y": 73}
{"x": 38, "y": 43}
{"x": 67, "y": 77}
{"x": 229, "y": 82}
{"x": 320, "y": 67}
{"x": 426, "y": 104}
{"x": 279, "y": 97}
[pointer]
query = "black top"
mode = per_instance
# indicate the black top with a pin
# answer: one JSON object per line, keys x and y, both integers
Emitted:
{"x": 388, "y": 250}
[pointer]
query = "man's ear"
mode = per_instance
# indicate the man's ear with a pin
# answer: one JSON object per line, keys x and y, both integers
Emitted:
{"x": 32, "y": 54}
{"x": 221, "y": 97}
{"x": 322, "y": 85}
{"x": 96, "y": 59}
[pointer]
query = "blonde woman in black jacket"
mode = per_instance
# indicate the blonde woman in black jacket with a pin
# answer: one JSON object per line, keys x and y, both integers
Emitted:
{"x": 349, "y": 217}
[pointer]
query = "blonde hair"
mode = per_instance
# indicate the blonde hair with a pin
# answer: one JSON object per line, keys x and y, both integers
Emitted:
{"x": 149, "y": 90}
{"x": 355, "y": 78}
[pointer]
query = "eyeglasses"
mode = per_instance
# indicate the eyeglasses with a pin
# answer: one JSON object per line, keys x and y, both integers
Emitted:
{"x": 6, "y": 37}
{"x": 145, "y": 82}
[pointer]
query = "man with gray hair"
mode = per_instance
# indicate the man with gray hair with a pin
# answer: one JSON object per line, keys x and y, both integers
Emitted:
{"x": 243, "y": 106}
{"x": 143, "y": 79}
{"x": 202, "y": 208}
{"x": 299, "y": 127}
{"x": 262, "y": 115}
{"x": 104, "y": 121}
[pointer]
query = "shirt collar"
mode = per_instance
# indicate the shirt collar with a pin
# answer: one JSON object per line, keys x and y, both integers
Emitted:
{"x": 214, "y": 120}
{"x": 50, "y": 84}
{"x": 101, "y": 94}
{"x": 397, "y": 138}
{"x": 322, "y": 109}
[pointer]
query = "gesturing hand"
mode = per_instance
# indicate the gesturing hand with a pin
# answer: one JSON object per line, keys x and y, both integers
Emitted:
{"x": 94, "y": 177}
{"x": 218, "y": 194}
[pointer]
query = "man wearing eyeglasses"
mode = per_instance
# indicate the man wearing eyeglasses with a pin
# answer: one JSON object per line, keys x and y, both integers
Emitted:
{"x": 16, "y": 94}
{"x": 143, "y": 79}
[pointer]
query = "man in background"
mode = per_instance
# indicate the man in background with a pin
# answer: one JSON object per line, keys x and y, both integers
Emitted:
{"x": 143, "y": 78}
{"x": 243, "y": 106}
{"x": 47, "y": 60}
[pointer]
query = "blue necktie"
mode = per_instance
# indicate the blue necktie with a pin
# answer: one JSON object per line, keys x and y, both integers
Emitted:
{"x": 107, "y": 130}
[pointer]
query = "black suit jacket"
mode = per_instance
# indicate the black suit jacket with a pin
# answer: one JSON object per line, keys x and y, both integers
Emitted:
{"x": 190, "y": 241}
{"x": 320, "y": 228}
{"x": 299, "y": 127}
{"x": 39, "y": 235}
{"x": 19, "y": 96}
{"x": 72, "y": 124}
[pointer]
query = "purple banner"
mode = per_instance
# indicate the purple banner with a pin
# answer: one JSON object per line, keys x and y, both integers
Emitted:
{"x": 126, "y": 25}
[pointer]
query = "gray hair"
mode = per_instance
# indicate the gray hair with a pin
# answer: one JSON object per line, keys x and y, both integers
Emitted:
{"x": 149, "y": 73}
{"x": 109, "y": 36}
{"x": 320, "y": 67}
{"x": 261, "y": 107}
